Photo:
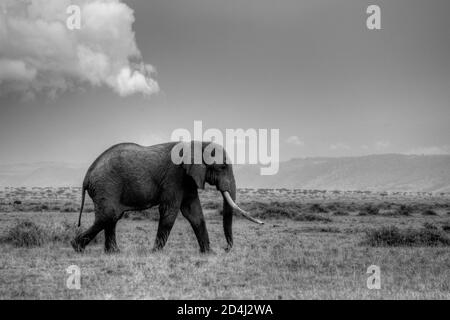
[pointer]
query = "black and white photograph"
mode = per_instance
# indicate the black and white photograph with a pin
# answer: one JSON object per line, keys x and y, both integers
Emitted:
{"x": 247, "y": 151}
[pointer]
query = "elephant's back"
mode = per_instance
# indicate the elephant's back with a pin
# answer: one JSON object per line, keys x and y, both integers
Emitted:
{"x": 110, "y": 154}
{"x": 125, "y": 165}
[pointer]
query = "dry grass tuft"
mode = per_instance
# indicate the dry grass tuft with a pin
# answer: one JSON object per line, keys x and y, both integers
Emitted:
{"x": 27, "y": 233}
{"x": 308, "y": 217}
{"x": 429, "y": 212}
{"x": 404, "y": 210}
{"x": 340, "y": 213}
{"x": 369, "y": 210}
{"x": 429, "y": 235}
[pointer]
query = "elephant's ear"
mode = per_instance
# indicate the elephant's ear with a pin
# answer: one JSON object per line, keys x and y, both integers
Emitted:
{"x": 197, "y": 172}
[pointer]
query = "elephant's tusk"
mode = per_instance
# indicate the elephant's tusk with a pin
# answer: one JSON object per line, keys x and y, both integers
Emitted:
{"x": 230, "y": 201}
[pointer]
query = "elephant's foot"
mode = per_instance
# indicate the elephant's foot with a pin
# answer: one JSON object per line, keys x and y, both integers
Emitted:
{"x": 76, "y": 246}
{"x": 228, "y": 248}
{"x": 206, "y": 249}
{"x": 112, "y": 248}
{"x": 205, "y": 246}
{"x": 156, "y": 249}
{"x": 208, "y": 252}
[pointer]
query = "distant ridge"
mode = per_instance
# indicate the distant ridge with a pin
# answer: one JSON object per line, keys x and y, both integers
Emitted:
{"x": 42, "y": 174}
{"x": 386, "y": 172}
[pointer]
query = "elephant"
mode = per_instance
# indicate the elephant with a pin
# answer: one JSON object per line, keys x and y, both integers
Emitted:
{"x": 131, "y": 177}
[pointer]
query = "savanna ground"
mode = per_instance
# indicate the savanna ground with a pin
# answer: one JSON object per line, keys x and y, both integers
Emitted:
{"x": 314, "y": 245}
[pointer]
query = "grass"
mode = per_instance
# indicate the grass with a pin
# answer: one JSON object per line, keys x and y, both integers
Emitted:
{"x": 283, "y": 259}
{"x": 429, "y": 235}
{"x": 27, "y": 233}
{"x": 296, "y": 254}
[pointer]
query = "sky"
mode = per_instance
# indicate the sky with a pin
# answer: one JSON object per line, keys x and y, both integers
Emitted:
{"x": 137, "y": 70}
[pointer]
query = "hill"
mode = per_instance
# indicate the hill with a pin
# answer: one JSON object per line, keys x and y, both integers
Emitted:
{"x": 387, "y": 172}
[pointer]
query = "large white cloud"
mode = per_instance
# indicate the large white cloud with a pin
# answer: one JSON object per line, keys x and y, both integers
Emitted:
{"x": 40, "y": 55}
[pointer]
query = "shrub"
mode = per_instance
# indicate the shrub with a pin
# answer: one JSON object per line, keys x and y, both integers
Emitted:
{"x": 429, "y": 212}
{"x": 311, "y": 217}
{"x": 288, "y": 209}
{"x": 68, "y": 209}
{"x": 317, "y": 208}
{"x": 392, "y": 236}
{"x": 323, "y": 229}
{"x": 35, "y": 208}
{"x": 404, "y": 210}
{"x": 273, "y": 209}
{"x": 372, "y": 210}
{"x": 29, "y": 234}
{"x": 278, "y": 212}
{"x": 151, "y": 214}
{"x": 88, "y": 209}
{"x": 430, "y": 226}
{"x": 26, "y": 234}
{"x": 369, "y": 210}
{"x": 212, "y": 205}
{"x": 446, "y": 227}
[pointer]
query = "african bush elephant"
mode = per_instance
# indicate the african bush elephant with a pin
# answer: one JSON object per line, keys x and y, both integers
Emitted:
{"x": 129, "y": 177}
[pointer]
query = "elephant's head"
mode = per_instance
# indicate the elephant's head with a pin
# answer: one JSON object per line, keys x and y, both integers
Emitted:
{"x": 215, "y": 168}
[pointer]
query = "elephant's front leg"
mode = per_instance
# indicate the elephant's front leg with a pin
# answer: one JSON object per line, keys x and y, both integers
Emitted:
{"x": 192, "y": 211}
{"x": 167, "y": 214}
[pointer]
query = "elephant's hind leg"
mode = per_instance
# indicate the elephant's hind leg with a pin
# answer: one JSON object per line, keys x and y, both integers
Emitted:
{"x": 109, "y": 214}
{"x": 110, "y": 237}
{"x": 106, "y": 218}
{"x": 192, "y": 211}
{"x": 82, "y": 240}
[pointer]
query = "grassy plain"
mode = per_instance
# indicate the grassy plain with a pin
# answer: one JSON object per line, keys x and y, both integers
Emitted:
{"x": 314, "y": 245}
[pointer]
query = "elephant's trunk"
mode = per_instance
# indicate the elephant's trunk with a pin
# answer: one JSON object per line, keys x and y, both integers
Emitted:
{"x": 228, "y": 219}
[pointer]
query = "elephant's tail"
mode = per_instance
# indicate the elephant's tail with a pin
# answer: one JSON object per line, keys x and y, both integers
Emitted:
{"x": 82, "y": 205}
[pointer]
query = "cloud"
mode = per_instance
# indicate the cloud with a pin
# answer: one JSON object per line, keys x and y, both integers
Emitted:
{"x": 365, "y": 147}
{"x": 16, "y": 70}
{"x": 295, "y": 140}
{"x": 39, "y": 54}
{"x": 340, "y": 146}
{"x": 382, "y": 144}
{"x": 430, "y": 150}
